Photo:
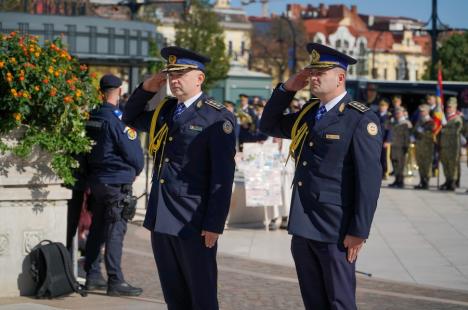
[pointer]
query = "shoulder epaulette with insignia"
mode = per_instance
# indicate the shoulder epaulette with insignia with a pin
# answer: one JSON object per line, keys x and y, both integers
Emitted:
{"x": 212, "y": 103}
{"x": 361, "y": 107}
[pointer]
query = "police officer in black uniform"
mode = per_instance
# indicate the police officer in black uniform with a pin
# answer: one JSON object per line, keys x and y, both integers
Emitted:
{"x": 336, "y": 143}
{"x": 193, "y": 141}
{"x": 114, "y": 162}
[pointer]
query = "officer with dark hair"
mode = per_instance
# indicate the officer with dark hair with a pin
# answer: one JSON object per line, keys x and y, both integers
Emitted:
{"x": 193, "y": 143}
{"x": 113, "y": 164}
{"x": 336, "y": 143}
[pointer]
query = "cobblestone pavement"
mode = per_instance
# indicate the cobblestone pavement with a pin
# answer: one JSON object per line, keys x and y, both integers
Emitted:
{"x": 247, "y": 284}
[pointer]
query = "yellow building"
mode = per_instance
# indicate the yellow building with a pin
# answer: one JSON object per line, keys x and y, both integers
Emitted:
{"x": 398, "y": 57}
{"x": 237, "y": 29}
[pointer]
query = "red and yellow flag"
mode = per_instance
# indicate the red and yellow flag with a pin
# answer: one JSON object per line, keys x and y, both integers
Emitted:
{"x": 439, "y": 116}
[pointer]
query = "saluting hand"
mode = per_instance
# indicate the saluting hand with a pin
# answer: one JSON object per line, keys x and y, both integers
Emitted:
{"x": 155, "y": 82}
{"x": 298, "y": 81}
{"x": 354, "y": 245}
{"x": 210, "y": 238}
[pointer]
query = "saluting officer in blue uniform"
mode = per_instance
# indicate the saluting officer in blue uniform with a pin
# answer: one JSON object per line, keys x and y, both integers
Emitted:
{"x": 193, "y": 143}
{"x": 114, "y": 162}
{"x": 336, "y": 144}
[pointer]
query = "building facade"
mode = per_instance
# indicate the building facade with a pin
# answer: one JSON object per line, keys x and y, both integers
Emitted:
{"x": 388, "y": 48}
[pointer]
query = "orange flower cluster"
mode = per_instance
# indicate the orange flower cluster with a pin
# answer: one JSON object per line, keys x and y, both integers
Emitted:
{"x": 17, "y": 116}
{"x": 34, "y": 77}
{"x": 68, "y": 99}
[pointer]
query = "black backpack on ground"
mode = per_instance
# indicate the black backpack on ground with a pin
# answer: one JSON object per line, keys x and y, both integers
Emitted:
{"x": 51, "y": 269}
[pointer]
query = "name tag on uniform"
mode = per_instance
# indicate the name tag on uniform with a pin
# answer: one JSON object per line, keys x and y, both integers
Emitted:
{"x": 332, "y": 137}
{"x": 196, "y": 128}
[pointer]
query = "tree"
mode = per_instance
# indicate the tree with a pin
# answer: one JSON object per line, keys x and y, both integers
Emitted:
{"x": 200, "y": 31}
{"x": 10, "y": 5}
{"x": 453, "y": 55}
{"x": 272, "y": 45}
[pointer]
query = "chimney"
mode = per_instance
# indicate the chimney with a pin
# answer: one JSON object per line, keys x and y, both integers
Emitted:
{"x": 322, "y": 10}
{"x": 294, "y": 10}
{"x": 354, "y": 9}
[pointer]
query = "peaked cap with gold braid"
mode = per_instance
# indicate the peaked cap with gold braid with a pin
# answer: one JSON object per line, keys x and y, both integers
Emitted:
{"x": 324, "y": 57}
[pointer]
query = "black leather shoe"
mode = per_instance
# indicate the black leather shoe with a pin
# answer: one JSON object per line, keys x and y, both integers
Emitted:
{"x": 123, "y": 289}
{"x": 396, "y": 185}
{"x": 284, "y": 223}
{"x": 95, "y": 284}
{"x": 422, "y": 186}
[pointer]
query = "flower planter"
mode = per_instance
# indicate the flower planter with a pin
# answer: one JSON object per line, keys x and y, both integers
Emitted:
{"x": 33, "y": 207}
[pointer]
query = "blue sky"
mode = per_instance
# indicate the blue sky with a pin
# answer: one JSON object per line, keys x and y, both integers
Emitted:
{"x": 451, "y": 12}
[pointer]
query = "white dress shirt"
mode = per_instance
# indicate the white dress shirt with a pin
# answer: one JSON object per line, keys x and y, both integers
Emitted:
{"x": 330, "y": 104}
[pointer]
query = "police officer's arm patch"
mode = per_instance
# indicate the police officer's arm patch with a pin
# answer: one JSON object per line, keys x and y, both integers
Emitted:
{"x": 227, "y": 127}
{"x": 131, "y": 133}
{"x": 372, "y": 128}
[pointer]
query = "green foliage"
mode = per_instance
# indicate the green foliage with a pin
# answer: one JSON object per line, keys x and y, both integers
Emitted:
{"x": 154, "y": 66}
{"x": 48, "y": 93}
{"x": 201, "y": 32}
{"x": 10, "y": 5}
{"x": 271, "y": 46}
{"x": 453, "y": 56}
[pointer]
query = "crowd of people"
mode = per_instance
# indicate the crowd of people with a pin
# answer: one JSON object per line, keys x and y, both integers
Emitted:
{"x": 416, "y": 137}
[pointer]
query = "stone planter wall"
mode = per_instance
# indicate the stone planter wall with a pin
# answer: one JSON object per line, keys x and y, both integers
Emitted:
{"x": 33, "y": 207}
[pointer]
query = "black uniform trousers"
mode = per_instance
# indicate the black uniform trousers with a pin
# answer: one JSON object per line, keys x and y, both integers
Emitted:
{"x": 187, "y": 271}
{"x": 327, "y": 280}
{"x": 107, "y": 228}
{"x": 73, "y": 216}
{"x": 383, "y": 161}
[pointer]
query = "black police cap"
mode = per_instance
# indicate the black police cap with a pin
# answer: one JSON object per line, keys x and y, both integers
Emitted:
{"x": 109, "y": 81}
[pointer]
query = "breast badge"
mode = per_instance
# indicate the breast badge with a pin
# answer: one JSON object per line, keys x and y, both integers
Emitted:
{"x": 372, "y": 129}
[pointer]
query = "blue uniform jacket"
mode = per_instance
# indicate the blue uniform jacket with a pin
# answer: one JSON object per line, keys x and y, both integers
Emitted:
{"x": 116, "y": 157}
{"x": 193, "y": 174}
{"x": 337, "y": 180}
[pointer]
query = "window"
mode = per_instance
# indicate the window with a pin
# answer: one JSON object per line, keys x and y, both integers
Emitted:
{"x": 48, "y": 31}
{"x": 126, "y": 42}
{"x": 111, "y": 38}
{"x": 338, "y": 43}
{"x": 346, "y": 44}
{"x": 385, "y": 74}
{"x": 230, "y": 48}
{"x": 71, "y": 37}
{"x": 23, "y": 28}
{"x": 242, "y": 48}
{"x": 92, "y": 39}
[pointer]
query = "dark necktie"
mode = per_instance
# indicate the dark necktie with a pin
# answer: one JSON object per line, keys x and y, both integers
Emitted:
{"x": 320, "y": 113}
{"x": 179, "y": 110}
